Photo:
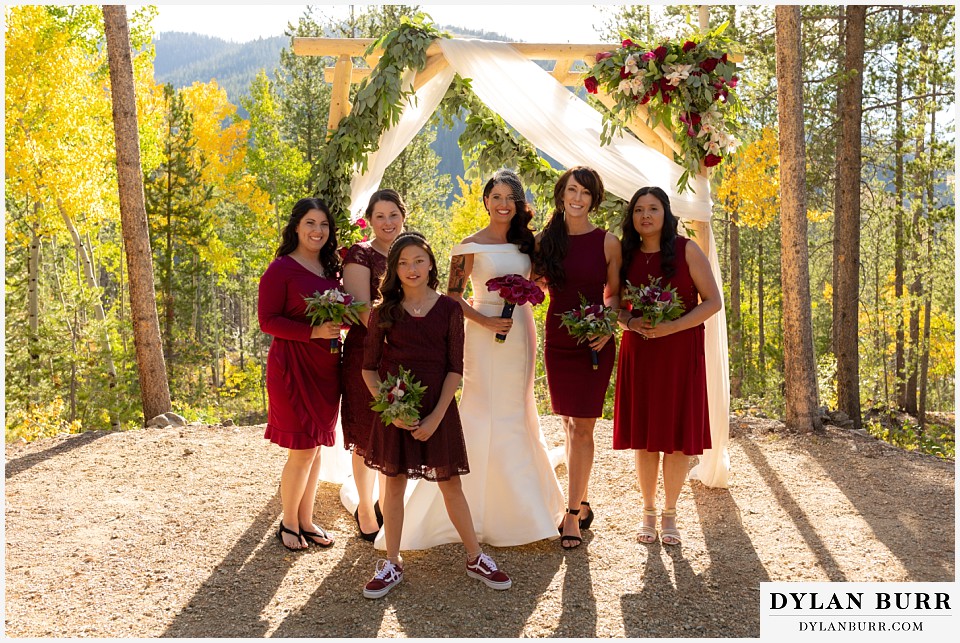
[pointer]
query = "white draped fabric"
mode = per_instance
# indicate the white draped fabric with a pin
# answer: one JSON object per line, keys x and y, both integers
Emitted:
{"x": 555, "y": 120}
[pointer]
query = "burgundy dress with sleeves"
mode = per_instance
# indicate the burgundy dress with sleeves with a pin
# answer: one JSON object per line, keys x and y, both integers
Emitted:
{"x": 430, "y": 347}
{"x": 356, "y": 415}
{"x": 303, "y": 376}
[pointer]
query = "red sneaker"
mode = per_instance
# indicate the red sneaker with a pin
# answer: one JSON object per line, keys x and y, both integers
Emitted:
{"x": 483, "y": 568}
{"x": 387, "y": 577}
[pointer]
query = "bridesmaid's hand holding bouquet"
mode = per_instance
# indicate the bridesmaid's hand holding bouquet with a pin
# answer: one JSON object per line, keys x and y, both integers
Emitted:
{"x": 515, "y": 291}
{"x": 398, "y": 399}
{"x": 654, "y": 302}
{"x": 588, "y": 322}
{"x": 333, "y": 306}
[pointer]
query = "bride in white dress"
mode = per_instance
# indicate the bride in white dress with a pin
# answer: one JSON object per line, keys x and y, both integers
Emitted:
{"x": 512, "y": 489}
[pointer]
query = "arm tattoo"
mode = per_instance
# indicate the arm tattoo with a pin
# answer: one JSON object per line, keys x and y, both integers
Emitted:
{"x": 457, "y": 274}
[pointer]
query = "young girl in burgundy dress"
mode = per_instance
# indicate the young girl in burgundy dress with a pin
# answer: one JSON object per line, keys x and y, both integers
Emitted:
{"x": 363, "y": 267}
{"x": 416, "y": 327}
{"x": 303, "y": 376}
{"x": 576, "y": 258}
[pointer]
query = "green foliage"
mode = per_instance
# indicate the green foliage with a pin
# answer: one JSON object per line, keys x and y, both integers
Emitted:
{"x": 376, "y": 108}
{"x": 938, "y": 440}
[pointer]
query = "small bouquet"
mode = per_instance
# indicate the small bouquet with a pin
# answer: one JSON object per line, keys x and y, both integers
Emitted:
{"x": 654, "y": 301}
{"x": 398, "y": 398}
{"x": 514, "y": 290}
{"x": 336, "y": 306}
{"x": 590, "y": 320}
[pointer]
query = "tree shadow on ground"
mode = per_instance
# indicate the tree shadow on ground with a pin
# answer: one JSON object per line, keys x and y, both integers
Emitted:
{"x": 910, "y": 526}
{"x": 231, "y": 600}
{"x": 798, "y": 515}
{"x": 19, "y": 465}
{"x": 675, "y": 601}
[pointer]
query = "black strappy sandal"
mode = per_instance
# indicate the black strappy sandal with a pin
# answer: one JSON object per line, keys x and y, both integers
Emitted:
{"x": 586, "y": 522}
{"x": 311, "y": 536}
{"x": 283, "y": 530}
{"x": 573, "y": 539}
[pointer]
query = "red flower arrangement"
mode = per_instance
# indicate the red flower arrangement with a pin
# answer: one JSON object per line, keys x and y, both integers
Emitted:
{"x": 688, "y": 85}
{"x": 515, "y": 291}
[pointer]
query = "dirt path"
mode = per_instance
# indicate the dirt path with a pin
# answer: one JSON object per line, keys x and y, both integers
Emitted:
{"x": 169, "y": 532}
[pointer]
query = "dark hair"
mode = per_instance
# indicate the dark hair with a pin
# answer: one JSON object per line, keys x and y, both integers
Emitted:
{"x": 390, "y": 307}
{"x": 631, "y": 241}
{"x": 385, "y": 195}
{"x": 329, "y": 258}
{"x": 519, "y": 232}
{"x": 553, "y": 241}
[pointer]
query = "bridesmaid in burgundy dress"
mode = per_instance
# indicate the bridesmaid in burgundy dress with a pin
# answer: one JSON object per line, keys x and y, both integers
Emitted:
{"x": 575, "y": 258}
{"x": 422, "y": 330}
{"x": 661, "y": 395}
{"x": 303, "y": 376}
{"x": 363, "y": 267}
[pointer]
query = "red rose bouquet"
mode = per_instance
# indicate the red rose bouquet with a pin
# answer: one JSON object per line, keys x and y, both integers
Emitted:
{"x": 336, "y": 306}
{"x": 398, "y": 398}
{"x": 514, "y": 290}
{"x": 654, "y": 302}
{"x": 589, "y": 321}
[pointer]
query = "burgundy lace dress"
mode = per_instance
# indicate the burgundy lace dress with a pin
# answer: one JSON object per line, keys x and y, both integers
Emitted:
{"x": 356, "y": 417}
{"x": 430, "y": 346}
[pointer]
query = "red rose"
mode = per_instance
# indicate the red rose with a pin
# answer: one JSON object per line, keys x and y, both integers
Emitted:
{"x": 723, "y": 59}
{"x": 624, "y": 73}
{"x": 391, "y": 398}
{"x": 361, "y": 223}
{"x": 627, "y": 43}
{"x": 733, "y": 81}
{"x": 342, "y": 252}
{"x": 711, "y": 159}
{"x": 402, "y": 385}
{"x": 687, "y": 46}
{"x": 694, "y": 118}
{"x": 666, "y": 87}
{"x": 666, "y": 99}
{"x": 709, "y": 64}
{"x": 347, "y": 298}
{"x": 591, "y": 84}
{"x": 665, "y": 296}
{"x": 603, "y": 55}
{"x": 660, "y": 52}
{"x": 645, "y": 99}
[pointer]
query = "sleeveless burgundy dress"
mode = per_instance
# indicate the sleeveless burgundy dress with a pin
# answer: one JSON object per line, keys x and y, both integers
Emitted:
{"x": 576, "y": 390}
{"x": 303, "y": 376}
{"x": 661, "y": 395}
{"x": 356, "y": 417}
{"x": 430, "y": 347}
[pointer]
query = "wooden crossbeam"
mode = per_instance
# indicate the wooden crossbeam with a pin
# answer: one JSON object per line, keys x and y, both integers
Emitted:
{"x": 340, "y": 94}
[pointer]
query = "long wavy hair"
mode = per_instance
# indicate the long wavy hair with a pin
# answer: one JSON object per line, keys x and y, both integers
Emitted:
{"x": 329, "y": 258}
{"x": 385, "y": 194}
{"x": 554, "y": 240}
{"x": 630, "y": 239}
{"x": 519, "y": 232}
{"x": 390, "y": 306}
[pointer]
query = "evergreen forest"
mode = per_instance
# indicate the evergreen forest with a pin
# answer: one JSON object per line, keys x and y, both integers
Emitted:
{"x": 224, "y": 160}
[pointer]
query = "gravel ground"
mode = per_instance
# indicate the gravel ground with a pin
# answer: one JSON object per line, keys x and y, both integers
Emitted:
{"x": 170, "y": 532}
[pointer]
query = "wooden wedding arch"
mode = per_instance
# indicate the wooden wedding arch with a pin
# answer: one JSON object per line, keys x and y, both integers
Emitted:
{"x": 567, "y": 59}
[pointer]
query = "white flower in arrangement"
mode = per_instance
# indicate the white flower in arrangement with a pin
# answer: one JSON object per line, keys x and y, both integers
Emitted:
{"x": 630, "y": 64}
{"x": 712, "y": 147}
{"x": 728, "y": 142}
{"x": 676, "y": 73}
{"x": 625, "y": 86}
{"x": 638, "y": 85}
{"x": 398, "y": 392}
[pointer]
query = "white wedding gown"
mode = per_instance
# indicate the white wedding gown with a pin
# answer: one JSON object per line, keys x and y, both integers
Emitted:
{"x": 512, "y": 489}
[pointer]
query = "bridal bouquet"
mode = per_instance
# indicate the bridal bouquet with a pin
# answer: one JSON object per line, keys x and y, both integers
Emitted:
{"x": 654, "y": 301}
{"x": 336, "y": 306}
{"x": 398, "y": 398}
{"x": 514, "y": 290}
{"x": 589, "y": 321}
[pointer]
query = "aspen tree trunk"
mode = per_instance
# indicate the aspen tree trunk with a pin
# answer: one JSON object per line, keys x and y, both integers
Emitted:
{"x": 90, "y": 279}
{"x": 152, "y": 373}
{"x": 928, "y": 300}
{"x": 846, "y": 227}
{"x": 800, "y": 382}
{"x": 736, "y": 377}
{"x": 33, "y": 311}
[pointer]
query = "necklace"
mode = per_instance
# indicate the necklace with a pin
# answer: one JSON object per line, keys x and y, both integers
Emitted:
{"x": 416, "y": 310}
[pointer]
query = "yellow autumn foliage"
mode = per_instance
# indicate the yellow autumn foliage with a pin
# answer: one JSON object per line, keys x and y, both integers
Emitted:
{"x": 751, "y": 188}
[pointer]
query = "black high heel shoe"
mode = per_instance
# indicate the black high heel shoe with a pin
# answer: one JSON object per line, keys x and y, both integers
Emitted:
{"x": 586, "y": 522}
{"x": 372, "y": 536}
{"x": 376, "y": 510}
